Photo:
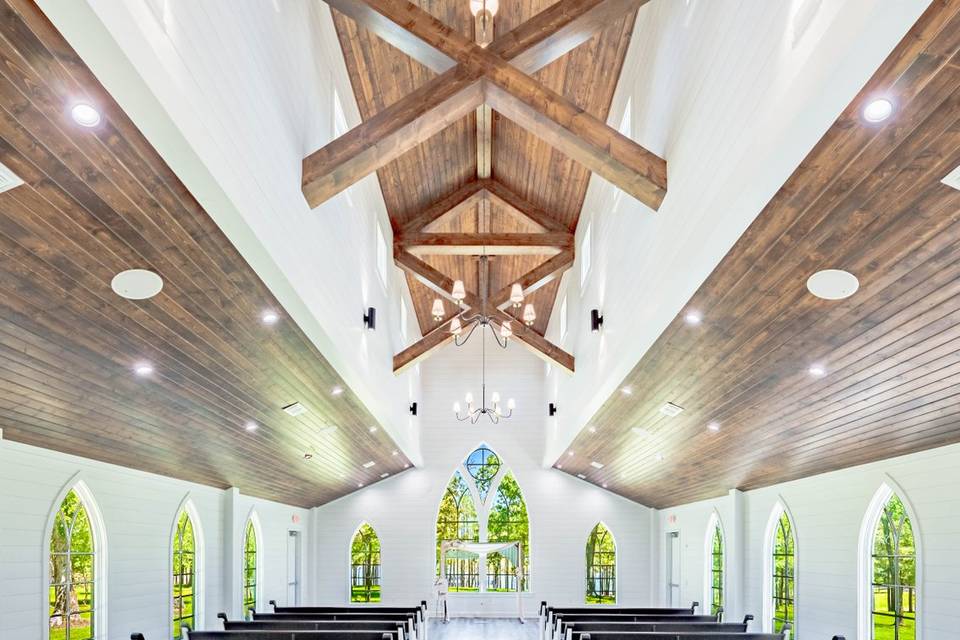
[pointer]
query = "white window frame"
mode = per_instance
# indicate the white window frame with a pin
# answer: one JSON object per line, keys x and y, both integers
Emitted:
{"x": 769, "y": 540}
{"x": 586, "y": 256}
{"x": 712, "y": 524}
{"x": 381, "y": 256}
{"x": 199, "y": 557}
{"x": 252, "y": 518}
{"x": 563, "y": 318}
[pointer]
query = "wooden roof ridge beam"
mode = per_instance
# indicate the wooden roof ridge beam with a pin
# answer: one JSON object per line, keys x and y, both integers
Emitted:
{"x": 546, "y": 243}
{"x": 512, "y": 200}
{"x": 456, "y": 200}
{"x": 536, "y": 278}
{"x": 450, "y": 96}
{"x": 545, "y": 113}
{"x": 435, "y": 338}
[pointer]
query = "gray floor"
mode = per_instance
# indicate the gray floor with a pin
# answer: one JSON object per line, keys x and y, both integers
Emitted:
{"x": 483, "y": 629}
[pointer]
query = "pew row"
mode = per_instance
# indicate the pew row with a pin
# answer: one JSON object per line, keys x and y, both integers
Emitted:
{"x": 567, "y": 630}
{"x": 641, "y": 635}
{"x": 557, "y": 619}
{"x": 384, "y": 626}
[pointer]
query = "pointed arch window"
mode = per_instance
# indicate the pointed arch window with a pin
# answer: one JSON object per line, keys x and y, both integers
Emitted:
{"x": 483, "y": 503}
{"x": 184, "y": 575}
{"x": 716, "y": 567}
{"x": 894, "y": 582}
{"x": 72, "y": 573}
{"x": 601, "y": 566}
{"x": 249, "y": 585}
{"x": 507, "y": 522}
{"x": 365, "y": 565}
{"x": 783, "y": 578}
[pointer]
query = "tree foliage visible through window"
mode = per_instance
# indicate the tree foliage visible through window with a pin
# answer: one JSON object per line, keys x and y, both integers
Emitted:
{"x": 894, "y": 586}
{"x": 365, "y": 565}
{"x": 507, "y": 522}
{"x": 184, "y": 575}
{"x": 249, "y": 570}
{"x": 483, "y": 465}
{"x": 784, "y": 567}
{"x": 716, "y": 570}
{"x": 71, "y": 613}
{"x": 457, "y": 520}
{"x": 601, "y": 567}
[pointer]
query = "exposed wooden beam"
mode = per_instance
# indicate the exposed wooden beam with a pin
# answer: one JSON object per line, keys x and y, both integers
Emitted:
{"x": 436, "y": 338}
{"x": 489, "y": 243}
{"x": 536, "y": 278}
{"x": 389, "y": 134}
{"x": 452, "y": 95}
{"x": 545, "y": 113}
{"x": 432, "y": 278}
{"x": 462, "y": 197}
{"x": 536, "y": 343}
{"x": 515, "y": 202}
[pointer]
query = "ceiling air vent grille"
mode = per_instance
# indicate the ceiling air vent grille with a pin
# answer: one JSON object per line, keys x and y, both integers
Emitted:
{"x": 8, "y": 179}
{"x": 953, "y": 179}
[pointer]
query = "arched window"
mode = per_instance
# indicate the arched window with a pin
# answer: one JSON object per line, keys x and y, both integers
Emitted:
{"x": 484, "y": 503}
{"x": 715, "y": 564}
{"x": 365, "y": 565}
{"x": 894, "y": 583}
{"x": 249, "y": 570}
{"x": 507, "y": 522}
{"x": 184, "y": 574}
{"x": 783, "y": 578}
{"x": 72, "y": 571}
{"x": 601, "y": 566}
{"x": 457, "y": 520}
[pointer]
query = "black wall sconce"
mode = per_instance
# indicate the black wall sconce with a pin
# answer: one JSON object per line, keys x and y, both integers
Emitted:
{"x": 413, "y": 408}
{"x": 596, "y": 320}
{"x": 552, "y": 410}
{"x": 370, "y": 319}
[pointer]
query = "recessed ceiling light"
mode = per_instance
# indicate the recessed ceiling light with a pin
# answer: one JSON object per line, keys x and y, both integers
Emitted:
{"x": 136, "y": 284}
{"x": 604, "y": 485}
{"x": 295, "y": 409}
{"x": 596, "y": 465}
{"x": 640, "y": 431}
{"x": 251, "y": 426}
{"x": 833, "y": 284}
{"x": 626, "y": 391}
{"x": 714, "y": 426}
{"x": 384, "y": 475}
{"x": 85, "y": 115}
{"x": 671, "y": 410}
{"x": 592, "y": 429}
{"x": 581, "y": 476}
{"x": 395, "y": 453}
{"x": 559, "y": 466}
{"x": 359, "y": 485}
{"x": 269, "y": 317}
{"x": 372, "y": 429}
{"x": 143, "y": 369}
{"x": 692, "y": 317}
{"x": 878, "y": 110}
{"x": 406, "y": 466}
{"x": 659, "y": 457}
{"x": 817, "y": 371}
{"x": 336, "y": 390}
{"x": 569, "y": 453}
{"x": 367, "y": 465}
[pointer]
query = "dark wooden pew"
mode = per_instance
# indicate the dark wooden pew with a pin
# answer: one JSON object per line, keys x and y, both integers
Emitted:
{"x": 384, "y": 626}
{"x": 288, "y": 635}
{"x": 420, "y": 612}
{"x": 641, "y": 635}
{"x": 568, "y": 630}
{"x": 548, "y": 614}
{"x": 556, "y": 619}
{"x": 415, "y": 629}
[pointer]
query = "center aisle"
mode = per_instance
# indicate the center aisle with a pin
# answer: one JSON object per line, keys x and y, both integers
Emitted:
{"x": 483, "y": 629}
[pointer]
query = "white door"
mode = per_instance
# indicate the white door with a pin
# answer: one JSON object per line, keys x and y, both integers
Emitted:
{"x": 293, "y": 569}
{"x": 673, "y": 569}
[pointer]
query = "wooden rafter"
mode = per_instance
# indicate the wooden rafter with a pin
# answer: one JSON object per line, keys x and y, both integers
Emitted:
{"x": 456, "y": 201}
{"x": 536, "y": 278}
{"x": 468, "y": 244}
{"x": 436, "y": 338}
{"x": 485, "y": 76}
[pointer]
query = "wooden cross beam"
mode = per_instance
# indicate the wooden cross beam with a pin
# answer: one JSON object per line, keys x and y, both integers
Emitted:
{"x": 475, "y": 244}
{"x": 440, "y": 336}
{"x": 496, "y": 76}
{"x": 536, "y": 278}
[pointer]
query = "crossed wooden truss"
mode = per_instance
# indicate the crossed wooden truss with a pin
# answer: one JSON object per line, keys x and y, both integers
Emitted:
{"x": 471, "y": 76}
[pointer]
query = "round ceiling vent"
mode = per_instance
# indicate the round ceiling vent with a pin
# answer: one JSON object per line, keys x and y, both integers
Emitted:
{"x": 136, "y": 284}
{"x": 833, "y": 284}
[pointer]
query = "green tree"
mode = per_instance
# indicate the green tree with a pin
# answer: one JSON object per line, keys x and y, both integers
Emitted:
{"x": 249, "y": 570}
{"x": 457, "y": 520}
{"x": 894, "y": 574}
{"x": 601, "y": 561}
{"x": 508, "y": 522}
{"x": 71, "y": 572}
{"x": 365, "y": 565}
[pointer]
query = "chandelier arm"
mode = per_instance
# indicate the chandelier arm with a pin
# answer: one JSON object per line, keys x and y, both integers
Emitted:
{"x": 459, "y": 342}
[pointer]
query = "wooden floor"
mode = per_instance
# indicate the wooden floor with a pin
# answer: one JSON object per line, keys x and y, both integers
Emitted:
{"x": 483, "y": 629}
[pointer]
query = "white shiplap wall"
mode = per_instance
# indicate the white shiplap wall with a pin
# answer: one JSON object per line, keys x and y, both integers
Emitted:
{"x": 828, "y": 510}
{"x": 562, "y": 509}
{"x": 138, "y": 510}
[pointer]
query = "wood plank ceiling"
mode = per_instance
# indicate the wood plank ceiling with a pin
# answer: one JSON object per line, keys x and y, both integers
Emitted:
{"x": 100, "y": 200}
{"x": 382, "y": 75}
{"x": 868, "y": 199}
